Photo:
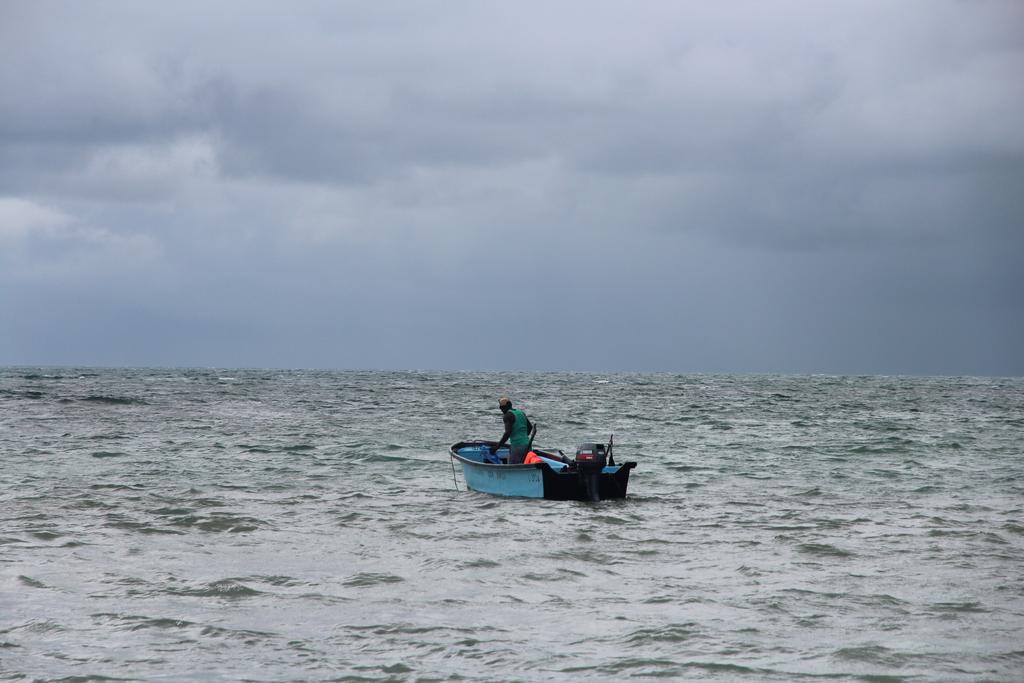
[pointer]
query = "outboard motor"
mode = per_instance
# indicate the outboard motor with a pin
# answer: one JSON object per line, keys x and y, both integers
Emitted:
{"x": 590, "y": 461}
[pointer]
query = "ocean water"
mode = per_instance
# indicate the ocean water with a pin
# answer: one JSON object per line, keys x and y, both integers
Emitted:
{"x": 264, "y": 525}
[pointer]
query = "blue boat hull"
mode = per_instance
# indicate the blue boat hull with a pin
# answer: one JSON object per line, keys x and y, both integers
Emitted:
{"x": 551, "y": 479}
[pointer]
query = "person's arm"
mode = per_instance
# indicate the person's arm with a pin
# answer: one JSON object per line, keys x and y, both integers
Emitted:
{"x": 509, "y": 420}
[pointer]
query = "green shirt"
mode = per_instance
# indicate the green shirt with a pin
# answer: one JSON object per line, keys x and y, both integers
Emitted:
{"x": 520, "y": 434}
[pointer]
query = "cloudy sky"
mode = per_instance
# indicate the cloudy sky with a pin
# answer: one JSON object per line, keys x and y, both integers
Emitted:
{"x": 740, "y": 186}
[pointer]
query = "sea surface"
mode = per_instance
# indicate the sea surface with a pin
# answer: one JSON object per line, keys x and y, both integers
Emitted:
{"x": 267, "y": 525}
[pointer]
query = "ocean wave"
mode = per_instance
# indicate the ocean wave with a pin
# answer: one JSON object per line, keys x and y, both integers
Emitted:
{"x": 108, "y": 454}
{"x": 30, "y": 582}
{"x": 230, "y": 589}
{"x": 971, "y": 607}
{"x": 144, "y": 528}
{"x": 366, "y": 579}
{"x": 23, "y": 393}
{"x": 873, "y": 654}
{"x": 134, "y": 622}
{"x": 669, "y": 633}
{"x": 35, "y": 626}
{"x": 299, "y": 448}
{"x": 114, "y": 400}
{"x": 217, "y": 522}
{"x": 823, "y": 550}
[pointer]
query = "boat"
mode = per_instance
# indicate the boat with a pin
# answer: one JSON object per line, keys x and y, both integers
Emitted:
{"x": 591, "y": 476}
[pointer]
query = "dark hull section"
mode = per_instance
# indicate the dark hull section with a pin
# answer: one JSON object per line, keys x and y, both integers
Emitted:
{"x": 570, "y": 486}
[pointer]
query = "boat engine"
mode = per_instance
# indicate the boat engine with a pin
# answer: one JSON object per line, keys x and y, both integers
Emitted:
{"x": 590, "y": 461}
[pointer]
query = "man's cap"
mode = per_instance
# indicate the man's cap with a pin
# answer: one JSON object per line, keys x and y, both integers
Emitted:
{"x": 504, "y": 401}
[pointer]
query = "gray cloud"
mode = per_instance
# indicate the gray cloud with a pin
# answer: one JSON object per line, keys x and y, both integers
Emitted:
{"x": 797, "y": 186}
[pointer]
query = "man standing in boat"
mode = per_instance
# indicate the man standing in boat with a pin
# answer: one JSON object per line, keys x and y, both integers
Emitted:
{"x": 517, "y": 432}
